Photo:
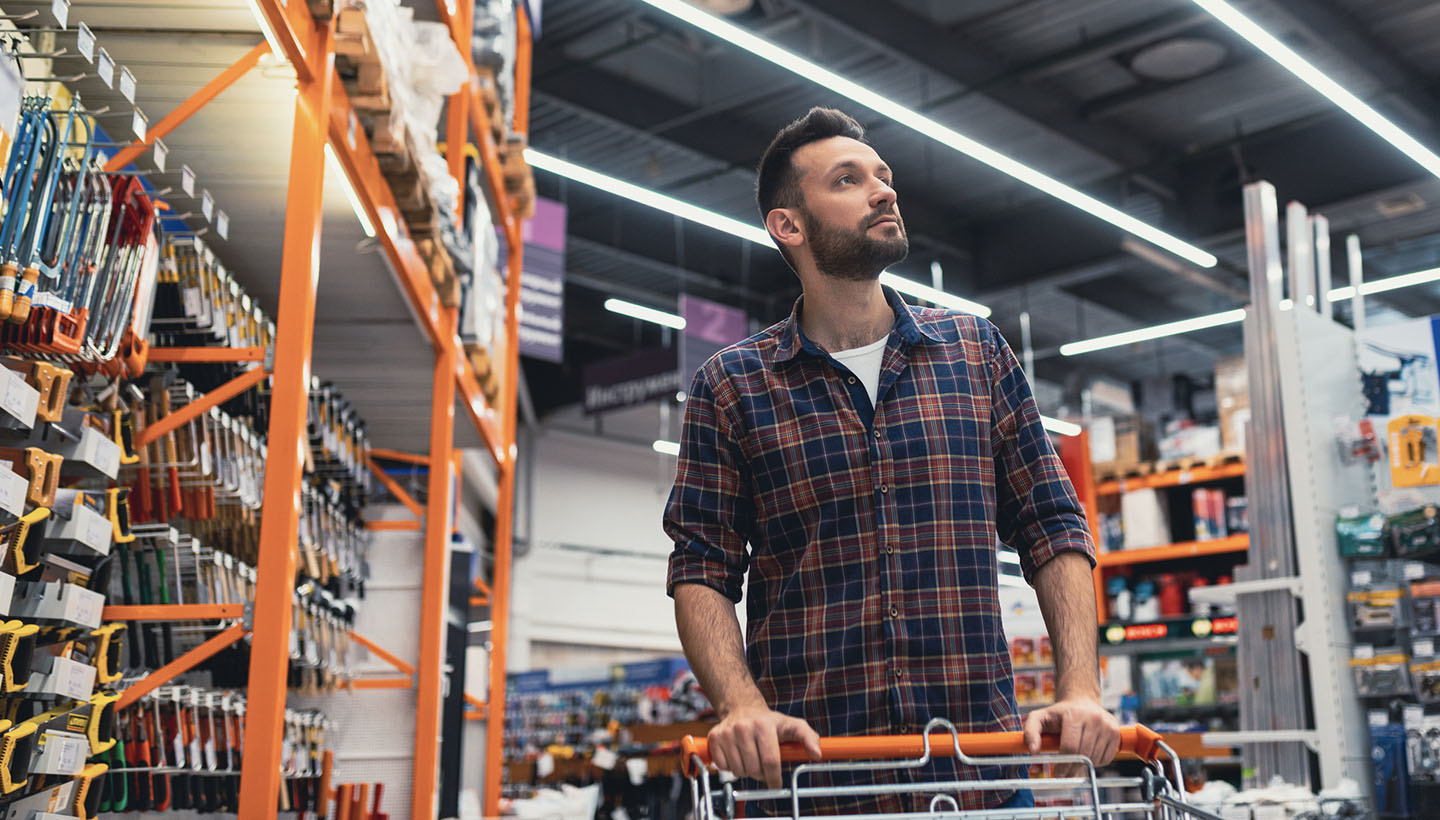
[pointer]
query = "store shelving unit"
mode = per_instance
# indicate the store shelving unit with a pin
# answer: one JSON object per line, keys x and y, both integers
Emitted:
{"x": 1171, "y": 552}
{"x": 324, "y": 116}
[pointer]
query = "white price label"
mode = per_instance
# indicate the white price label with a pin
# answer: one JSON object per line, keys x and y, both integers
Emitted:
{"x": 87, "y": 608}
{"x": 1414, "y": 715}
{"x": 81, "y": 681}
{"x": 1379, "y": 718}
{"x": 191, "y": 297}
{"x": 1360, "y": 578}
{"x": 222, "y": 224}
{"x": 605, "y": 759}
{"x": 162, "y": 153}
{"x": 16, "y": 391}
{"x": 107, "y": 457}
{"x": 100, "y": 532}
{"x": 127, "y": 84}
{"x": 196, "y": 761}
{"x": 139, "y": 124}
{"x": 105, "y": 67}
{"x": 61, "y": 10}
{"x": 1425, "y": 648}
{"x": 70, "y": 760}
{"x": 85, "y": 41}
{"x": 1363, "y": 651}
{"x": 187, "y": 180}
{"x": 212, "y": 761}
{"x": 179, "y": 751}
{"x": 1186, "y": 477}
{"x": 12, "y": 491}
{"x": 1414, "y": 570}
{"x": 207, "y": 205}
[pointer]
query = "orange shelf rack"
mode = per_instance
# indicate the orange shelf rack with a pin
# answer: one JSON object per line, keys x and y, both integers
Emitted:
{"x": 324, "y": 117}
{"x": 1171, "y": 552}
{"x": 1172, "y": 478}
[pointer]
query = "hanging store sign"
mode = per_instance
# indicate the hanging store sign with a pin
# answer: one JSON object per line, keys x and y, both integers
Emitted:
{"x": 709, "y": 328}
{"x": 542, "y": 284}
{"x": 629, "y": 380}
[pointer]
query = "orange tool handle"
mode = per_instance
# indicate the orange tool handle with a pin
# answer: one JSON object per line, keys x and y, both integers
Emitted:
{"x": 1135, "y": 741}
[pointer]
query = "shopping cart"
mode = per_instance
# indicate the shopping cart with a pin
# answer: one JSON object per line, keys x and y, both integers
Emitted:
{"x": 1157, "y": 793}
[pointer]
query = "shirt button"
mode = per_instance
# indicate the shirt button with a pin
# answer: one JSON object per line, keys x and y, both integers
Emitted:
{"x": 894, "y": 612}
{"x": 851, "y": 379}
{"x": 884, "y": 488}
{"x": 877, "y": 432}
{"x": 890, "y": 550}
{"x": 899, "y": 673}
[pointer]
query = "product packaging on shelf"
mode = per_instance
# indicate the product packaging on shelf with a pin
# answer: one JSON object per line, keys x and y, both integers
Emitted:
{"x": 1380, "y": 672}
{"x": 1361, "y": 535}
{"x": 1415, "y": 533}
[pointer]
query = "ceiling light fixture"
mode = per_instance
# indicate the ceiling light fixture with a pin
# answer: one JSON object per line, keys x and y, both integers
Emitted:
{"x": 929, "y": 294}
{"x": 645, "y": 196}
{"x": 1389, "y": 283}
{"x": 339, "y": 171}
{"x": 645, "y": 314}
{"x": 928, "y": 127}
{"x": 666, "y": 448}
{"x": 264, "y": 23}
{"x": 1320, "y": 81}
{"x": 1145, "y": 334}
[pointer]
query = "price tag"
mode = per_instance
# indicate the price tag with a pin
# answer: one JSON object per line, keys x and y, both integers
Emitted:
{"x": 162, "y": 153}
{"x": 207, "y": 205}
{"x": 19, "y": 398}
{"x": 179, "y": 750}
{"x": 191, "y": 297}
{"x": 222, "y": 224}
{"x": 605, "y": 759}
{"x": 105, "y": 67}
{"x": 1378, "y": 718}
{"x": 139, "y": 124}
{"x": 1360, "y": 578}
{"x": 127, "y": 84}
{"x": 87, "y": 607}
{"x": 12, "y": 491}
{"x": 212, "y": 762}
{"x": 1363, "y": 651}
{"x": 85, "y": 41}
{"x": 544, "y": 765}
{"x": 81, "y": 682}
{"x": 1414, "y": 715}
{"x": 1425, "y": 648}
{"x": 1414, "y": 570}
{"x": 1186, "y": 477}
{"x": 187, "y": 180}
{"x": 61, "y": 10}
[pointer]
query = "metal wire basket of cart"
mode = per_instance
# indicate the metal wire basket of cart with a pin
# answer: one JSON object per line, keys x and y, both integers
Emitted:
{"x": 1156, "y": 793}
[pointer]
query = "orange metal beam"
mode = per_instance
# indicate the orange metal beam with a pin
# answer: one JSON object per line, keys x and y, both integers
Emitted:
{"x": 480, "y": 710}
{"x": 455, "y": 124}
{"x": 435, "y": 585}
{"x": 382, "y": 683}
{"x": 289, "y": 406}
{"x": 396, "y": 455}
{"x": 482, "y": 586}
{"x": 395, "y": 489}
{"x": 522, "y": 71}
{"x": 1170, "y": 552}
{"x": 298, "y": 35}
{"x": 197, "y": 101}
{"x": 1171, "y": 478}
{"x": 392, "y": 526}
{"x": 180, "y": 665}
{"x": 179, "y": 418}
{"x": 175, "y": 355}
{"x": 173, "y": 612}
{"x": 381, "y": 653}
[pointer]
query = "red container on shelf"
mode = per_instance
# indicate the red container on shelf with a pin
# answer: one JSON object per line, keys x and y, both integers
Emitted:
{"x": 1171, "y": 595}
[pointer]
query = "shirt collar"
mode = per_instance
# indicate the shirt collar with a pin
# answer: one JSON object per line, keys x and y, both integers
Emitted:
{"x": 793, "y": 340}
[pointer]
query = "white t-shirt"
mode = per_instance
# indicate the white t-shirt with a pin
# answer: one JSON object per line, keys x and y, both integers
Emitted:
{"x": 864, "y": 362}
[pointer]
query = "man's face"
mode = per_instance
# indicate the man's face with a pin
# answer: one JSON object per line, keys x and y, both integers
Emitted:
{"x": 851, "y": 221}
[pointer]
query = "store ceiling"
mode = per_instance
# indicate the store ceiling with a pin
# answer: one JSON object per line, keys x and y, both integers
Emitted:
{"x": 1152, "y": 106}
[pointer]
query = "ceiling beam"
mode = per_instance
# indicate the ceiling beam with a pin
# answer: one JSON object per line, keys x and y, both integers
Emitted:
{"x": 929, "y": 45}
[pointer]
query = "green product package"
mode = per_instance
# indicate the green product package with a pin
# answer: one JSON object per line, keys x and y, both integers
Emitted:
{"x": 1416, "y": 532}
{"x": 1361, "y": 536}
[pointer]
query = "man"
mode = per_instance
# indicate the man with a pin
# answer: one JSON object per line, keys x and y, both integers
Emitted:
{"x": 870, "y": 454}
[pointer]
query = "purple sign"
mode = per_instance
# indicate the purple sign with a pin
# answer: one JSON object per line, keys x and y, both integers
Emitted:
{"x": 632, "y": 379}
{"x": 542, "y": 285}
{"x": 709, "y": 327}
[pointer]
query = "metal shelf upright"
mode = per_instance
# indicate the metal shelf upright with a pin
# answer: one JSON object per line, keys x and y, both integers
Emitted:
{"x": 324, "y": 115}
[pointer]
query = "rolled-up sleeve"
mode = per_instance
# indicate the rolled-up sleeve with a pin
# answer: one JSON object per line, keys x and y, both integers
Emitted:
{"x": 1037, "y": 512}
{"x": 710, "y": 513}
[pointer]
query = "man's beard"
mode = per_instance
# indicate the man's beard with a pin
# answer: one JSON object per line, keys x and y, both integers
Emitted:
{"x": 853, "y": 255}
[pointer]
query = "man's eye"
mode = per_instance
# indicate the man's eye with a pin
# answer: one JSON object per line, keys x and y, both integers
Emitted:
{"x": 844, "y": 179}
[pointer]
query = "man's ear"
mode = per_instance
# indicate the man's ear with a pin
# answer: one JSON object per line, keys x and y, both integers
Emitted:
{"x": 785, "y": 227}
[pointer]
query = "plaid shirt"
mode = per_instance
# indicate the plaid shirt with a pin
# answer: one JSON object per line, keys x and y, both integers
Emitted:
{"x": 872, "y": 532}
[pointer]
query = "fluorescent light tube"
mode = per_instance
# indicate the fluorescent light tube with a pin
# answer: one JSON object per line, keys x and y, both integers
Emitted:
{"x": 646, "y": 314}
{"x": 930, "y": 294}
{"x": 1060, "y": 428}
{"x": 666, "y": 448}
{"x": 1318, "y": 80}
{"x": 1144, "y": 334}
{"x": 645, "y": 196}
{"x": 922, "y": 124}
{"x": 265, "y": 29}
{"x": 339, "y": 171}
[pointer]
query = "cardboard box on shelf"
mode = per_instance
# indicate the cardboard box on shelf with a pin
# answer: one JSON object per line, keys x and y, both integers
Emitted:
{"x": 1232, "y": 398}
{"x": 1193, "y": 441}
{"x": 1118, "y": 442}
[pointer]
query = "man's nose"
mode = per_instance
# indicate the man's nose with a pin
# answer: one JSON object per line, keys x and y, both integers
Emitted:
{"x": 883, "y": 196}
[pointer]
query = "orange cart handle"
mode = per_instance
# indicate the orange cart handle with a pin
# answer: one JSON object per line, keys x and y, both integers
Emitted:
{"x": 1135, "y": 742}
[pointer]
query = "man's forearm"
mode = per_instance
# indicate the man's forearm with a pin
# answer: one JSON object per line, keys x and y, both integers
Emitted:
{"x": 710, "y": 634}
{"x": 1066, "y": 590}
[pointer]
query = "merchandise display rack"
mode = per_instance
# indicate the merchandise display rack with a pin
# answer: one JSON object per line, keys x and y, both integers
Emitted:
{"x": 324, "y": 118}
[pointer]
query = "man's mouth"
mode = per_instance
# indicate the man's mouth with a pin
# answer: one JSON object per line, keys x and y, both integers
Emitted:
{"x": 884, "y": 219}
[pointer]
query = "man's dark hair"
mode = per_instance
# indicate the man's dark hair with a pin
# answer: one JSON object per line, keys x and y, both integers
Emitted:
{"x": 777, "y": 182}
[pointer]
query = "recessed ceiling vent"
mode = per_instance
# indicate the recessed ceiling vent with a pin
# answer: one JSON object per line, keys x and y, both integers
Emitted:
{"x": 724, "y": 7}
{"x": 1393, "y": 206}
{"x": 1180, "y": 58}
